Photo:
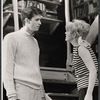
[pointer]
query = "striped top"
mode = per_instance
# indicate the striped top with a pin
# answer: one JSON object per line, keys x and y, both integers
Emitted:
{"x": 81, "y": 71}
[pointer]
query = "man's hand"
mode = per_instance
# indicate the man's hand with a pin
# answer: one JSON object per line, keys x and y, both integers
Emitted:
{"x": 43, "y": 98}
{"x": 12, "y": 98}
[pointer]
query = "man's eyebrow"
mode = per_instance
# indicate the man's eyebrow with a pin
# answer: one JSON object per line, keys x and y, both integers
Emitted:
{"x": 38, "y": 19}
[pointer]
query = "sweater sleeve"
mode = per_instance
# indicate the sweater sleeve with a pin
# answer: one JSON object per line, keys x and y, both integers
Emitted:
{"x": 9, "y": 49}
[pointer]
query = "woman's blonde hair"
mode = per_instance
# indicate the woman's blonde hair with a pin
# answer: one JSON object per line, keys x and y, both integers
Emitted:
{"x": 80, "y": 27}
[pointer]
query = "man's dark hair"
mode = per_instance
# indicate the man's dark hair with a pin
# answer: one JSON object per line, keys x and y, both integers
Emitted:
{"x": 29, "y": 12}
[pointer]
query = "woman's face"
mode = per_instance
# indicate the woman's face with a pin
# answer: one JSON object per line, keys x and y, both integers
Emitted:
{"x": 68, "y": 36}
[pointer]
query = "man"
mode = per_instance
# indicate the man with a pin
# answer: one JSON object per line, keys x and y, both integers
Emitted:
{"x": 22, "y": 78}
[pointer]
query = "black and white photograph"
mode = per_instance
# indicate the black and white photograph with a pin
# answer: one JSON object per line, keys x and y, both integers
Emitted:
{"x": 50, "y": 50}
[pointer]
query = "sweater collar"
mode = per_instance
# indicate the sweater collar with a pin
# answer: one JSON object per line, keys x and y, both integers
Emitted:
{"x": 23, "y": 29}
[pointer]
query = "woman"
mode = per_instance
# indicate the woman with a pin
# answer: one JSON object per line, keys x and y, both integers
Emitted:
{"x": 84, "y": 60}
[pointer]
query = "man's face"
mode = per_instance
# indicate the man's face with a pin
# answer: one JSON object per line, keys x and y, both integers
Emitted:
{"x": 34, "y": 23}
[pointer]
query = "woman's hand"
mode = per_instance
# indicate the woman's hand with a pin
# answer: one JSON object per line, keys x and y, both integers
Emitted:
{"x": 88, "y": 97}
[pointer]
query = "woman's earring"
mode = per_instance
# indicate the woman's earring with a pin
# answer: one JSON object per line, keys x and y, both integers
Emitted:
{"x": 74, "y": 35}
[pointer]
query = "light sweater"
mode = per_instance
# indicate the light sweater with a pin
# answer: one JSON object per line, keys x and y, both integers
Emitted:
{"x": 20, "y": 61}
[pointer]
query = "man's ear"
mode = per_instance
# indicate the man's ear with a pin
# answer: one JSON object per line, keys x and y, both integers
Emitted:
{"x": 74, "y": 35}
{"x": 27, "y": 20}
